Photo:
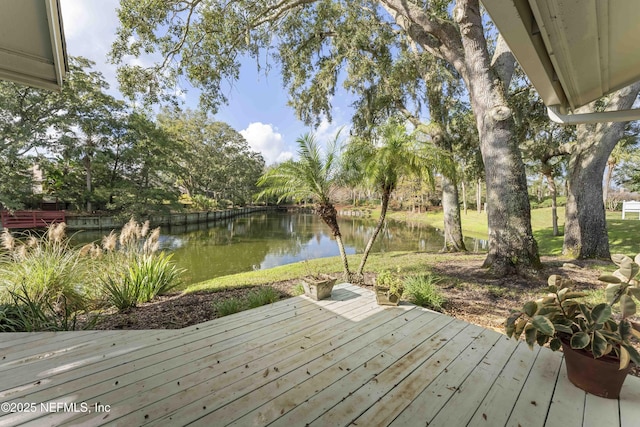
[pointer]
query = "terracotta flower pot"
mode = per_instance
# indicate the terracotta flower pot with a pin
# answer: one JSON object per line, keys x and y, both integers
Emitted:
{"x": 601, "y": 377}
{"x": 318, "y": 287}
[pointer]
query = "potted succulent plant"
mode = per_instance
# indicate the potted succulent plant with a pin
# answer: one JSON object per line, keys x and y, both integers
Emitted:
{"x": 388, "y": 288}
{"x": 597, "y": 345}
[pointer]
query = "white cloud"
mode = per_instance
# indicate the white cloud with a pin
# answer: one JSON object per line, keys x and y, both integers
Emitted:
{"x": 90, "y": 28}
{"x": 326, "y": 132}
{"x": 265, "y": 139}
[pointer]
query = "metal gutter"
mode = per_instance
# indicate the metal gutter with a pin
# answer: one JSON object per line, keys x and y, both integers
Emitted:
{"x": 553, "y": 111}
{"x": 56, "y": 32}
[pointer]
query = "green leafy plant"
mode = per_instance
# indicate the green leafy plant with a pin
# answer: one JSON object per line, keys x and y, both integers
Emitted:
{"x": 121, "y": 292}
{"x": 255, "y": 298}
{"x": 28, "y": 315}
{"x": 262, "y": 296}
{"x": 10, "y": 318}
{"x": 43, "y": 269}
{"x": 229, "y": 306}
{"x": 422, "y": 290}
{"x": 562, "y": 315}
{"x": 135, "y": 271}
{"x": 390, "y": 282}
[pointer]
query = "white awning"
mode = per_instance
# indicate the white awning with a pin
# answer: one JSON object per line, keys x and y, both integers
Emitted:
{"x": 573, "y": 51}
{"x": 32, "y": 48}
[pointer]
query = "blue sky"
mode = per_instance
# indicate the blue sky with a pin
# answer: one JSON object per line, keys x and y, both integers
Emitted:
{"x": 257, "y": 103}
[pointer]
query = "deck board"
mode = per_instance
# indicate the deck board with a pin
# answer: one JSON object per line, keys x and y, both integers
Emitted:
{"x": 342, "y": 361}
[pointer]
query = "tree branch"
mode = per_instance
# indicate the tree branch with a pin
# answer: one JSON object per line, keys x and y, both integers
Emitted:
{"x": 503, "y": 62}
{"x": 437, "y": 36}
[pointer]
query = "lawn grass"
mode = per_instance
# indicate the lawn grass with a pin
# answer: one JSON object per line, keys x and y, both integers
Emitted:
{"x": 622, "y": 233}
{"x": 407, "y": 262}
{"x": 621, "y": 238}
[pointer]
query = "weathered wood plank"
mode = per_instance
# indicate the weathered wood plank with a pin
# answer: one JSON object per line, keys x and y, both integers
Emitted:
{"x": 533, "y": 403}
{"x": 462, "y": 406}
{"x": 444, "y": 381}
{"x": 205, "y": 337}
{"x": 189, "y": 368}
{"x": 495, "y": 408}
{"x": 84, "y": 353}
{"x": 299, "y": 361}
{"x": 600, "y": 412}
{"x": 8, "y": 339}
{"x": 358, "y": 364}
{"x": 394, "y": 388}
{"x": 630, "y": 402}
{"x": 220, "y": 391}
{"x": 47, "y": 342}
{"x": 567, "y": 404}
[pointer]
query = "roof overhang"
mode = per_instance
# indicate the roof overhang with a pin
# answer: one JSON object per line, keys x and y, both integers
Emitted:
{"x": 573, "y": 51}
{"x": 32, "y": 47}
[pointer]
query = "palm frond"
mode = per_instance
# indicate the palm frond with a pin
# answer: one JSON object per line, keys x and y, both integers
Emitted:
{"x": 311, "y": 177}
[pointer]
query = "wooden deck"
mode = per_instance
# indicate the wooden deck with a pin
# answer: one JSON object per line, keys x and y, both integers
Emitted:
{"x": 298, "y": 362}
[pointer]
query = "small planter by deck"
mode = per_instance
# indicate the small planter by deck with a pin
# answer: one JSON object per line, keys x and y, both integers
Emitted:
{"x": 385, "y": 297}
{"x": 388, "y": 288}
{"x": 318, "y": 287}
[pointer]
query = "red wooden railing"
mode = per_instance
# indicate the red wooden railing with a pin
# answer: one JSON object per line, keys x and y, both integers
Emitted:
{"x": 31, "y": 219}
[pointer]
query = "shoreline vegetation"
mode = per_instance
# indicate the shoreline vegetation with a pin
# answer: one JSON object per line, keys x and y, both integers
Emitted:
{"x": 467, "y": 291}
{"x": 459, "y": 278}
{"x": 452, "y": 283}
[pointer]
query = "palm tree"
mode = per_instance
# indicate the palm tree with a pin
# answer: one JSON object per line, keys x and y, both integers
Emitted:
{"x": 312, "y": 177}
{"x": 382, "y": 163}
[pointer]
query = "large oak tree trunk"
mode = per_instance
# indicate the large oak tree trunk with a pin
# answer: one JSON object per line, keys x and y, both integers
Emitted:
{"x": 585, "y": 229}
{"x": 512, "y": 248}
{"x": 453, "y": 240}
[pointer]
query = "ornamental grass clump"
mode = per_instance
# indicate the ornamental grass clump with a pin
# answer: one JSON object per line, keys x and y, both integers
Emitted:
{"x": 136, "y": 270}
{"x": 44, "y": 269}
{"x": 44, "y": 282}
{"x": 563, "y": 316}
{"x": 423, "y": 290}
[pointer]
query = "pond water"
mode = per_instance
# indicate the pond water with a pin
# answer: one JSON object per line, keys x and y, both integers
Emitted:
{"x": 269, "y": 239}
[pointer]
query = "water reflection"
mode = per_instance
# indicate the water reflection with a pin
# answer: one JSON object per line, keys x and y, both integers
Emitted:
{"x": 268, "y": 239}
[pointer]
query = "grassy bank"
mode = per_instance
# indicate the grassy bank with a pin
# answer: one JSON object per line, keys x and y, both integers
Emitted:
{"x": 621, "y": 236}
{"x": 407, "y": 262}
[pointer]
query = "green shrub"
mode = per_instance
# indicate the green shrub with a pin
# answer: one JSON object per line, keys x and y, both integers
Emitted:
{"x": 262, "y": 296}
{"x": 155, "y": 275}
{"x": 44, "y": 270}
{"x": 298, "y": 290}
{"x": 229, "y": 306}
{"x": 9, "y": 318}
{"x": 120, "y": 291}
{"x": 134, "y": 271}
{"x": 255, "y": 298}
{"x": 422, "y": 290}
{"x": 385, "y": 279}
{"x": 27, "y": 315}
